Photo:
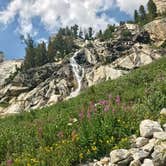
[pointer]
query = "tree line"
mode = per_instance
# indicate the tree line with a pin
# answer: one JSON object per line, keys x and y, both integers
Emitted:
{"x": 59, "y": 46}
{"x": 142, "y": 16}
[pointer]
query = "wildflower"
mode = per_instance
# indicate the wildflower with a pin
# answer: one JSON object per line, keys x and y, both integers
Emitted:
{"x": 113, "y": 110}
{"x": 88, "y": 152}
{"x": 69, "y": 124}
{"x": 81, "y": 155}
{"x": 9, "y": 162}
{"x": 81, "y": 115}
{"x": 106, "y": 109}
{"x": 89, "y": 114}
{"x": 103, "y": 102}
{"x": 117, "y": 99}
{"x": 94, "y": 148}
{"x": 75, "y": 120}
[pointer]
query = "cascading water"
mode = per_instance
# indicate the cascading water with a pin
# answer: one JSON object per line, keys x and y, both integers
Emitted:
{"x": 78, "y": 72}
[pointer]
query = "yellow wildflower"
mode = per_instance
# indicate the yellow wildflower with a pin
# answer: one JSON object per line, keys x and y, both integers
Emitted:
{"x": 88, "y": 151}
{"x": 81, "y": 155}
{"x": 94, "y": 148}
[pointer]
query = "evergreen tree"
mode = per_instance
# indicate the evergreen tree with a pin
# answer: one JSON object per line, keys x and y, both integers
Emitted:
{"x": 80, "y": 34}
{"x": 99, "y": 34}
{"x": 136, "y": 16}
{"x": 75, "y": 30}
{"x": 41, "y": 54}
{"x": 90, "y": 33}
{"x": 51, "y": 51}
{"x": 152, "y": 9}
{"x": 29, "y": 61}
{"x": 142, "y": 13}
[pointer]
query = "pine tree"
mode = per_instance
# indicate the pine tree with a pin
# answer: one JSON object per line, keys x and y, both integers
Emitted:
{"x": 75, "y": 30}
{"x": 51, "y": 53}
{"x": 136, "y": 16}
{"x": 80, "y": 34}
{"x": 29, "y": 61}
{"x": 41, "y": 54}
{"x": 152, "y": 9}
{"x": 143, "y": 16}
{"x": 99, "y": 34}
{"x": 90, "y": 33}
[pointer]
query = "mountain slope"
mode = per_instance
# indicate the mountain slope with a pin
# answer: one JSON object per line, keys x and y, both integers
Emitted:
{"x": 62, "y": 135}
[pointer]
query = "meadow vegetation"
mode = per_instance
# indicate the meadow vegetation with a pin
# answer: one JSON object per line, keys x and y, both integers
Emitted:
{"x": 100, "y": 119}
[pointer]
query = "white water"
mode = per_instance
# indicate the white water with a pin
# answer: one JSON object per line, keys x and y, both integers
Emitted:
{"x": 78, "y": 72}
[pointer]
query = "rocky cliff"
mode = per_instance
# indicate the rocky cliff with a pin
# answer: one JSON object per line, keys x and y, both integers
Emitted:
{"x": 94, "y": 62}
{"x": 161, "y": 5}
{"x": 7, "y": 68}
{"x": 157, "y": 30}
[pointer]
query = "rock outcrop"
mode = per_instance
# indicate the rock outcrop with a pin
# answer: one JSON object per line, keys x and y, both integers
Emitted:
{"x": 157, "y": 30}
{"x": 147, "y": 150}
{"x": 7, "y": 68}
{"x": 95, "y": 61}
{"x": 161, "y": 5}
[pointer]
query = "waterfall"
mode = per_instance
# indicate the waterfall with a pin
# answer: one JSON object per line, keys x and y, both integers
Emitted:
{"x": 78, "y": 72}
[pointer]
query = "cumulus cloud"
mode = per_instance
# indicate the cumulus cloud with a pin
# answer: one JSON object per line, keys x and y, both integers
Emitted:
{"x": 56, "y": 13}
{"x": 129, "y": 6}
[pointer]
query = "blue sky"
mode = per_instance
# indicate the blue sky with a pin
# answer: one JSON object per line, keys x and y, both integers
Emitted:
{"x": 40, "y": 18}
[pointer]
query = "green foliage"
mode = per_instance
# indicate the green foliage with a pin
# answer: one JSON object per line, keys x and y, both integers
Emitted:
{"x": 107, "y": 34}
{"x": 136, "y": 16}
{"x": 29, "y": 61}
{"x": 152, "y": 9}
{"x": 126, "y": 34}
{"x": 88, "y": 126}
{"x": 142, "y": 17}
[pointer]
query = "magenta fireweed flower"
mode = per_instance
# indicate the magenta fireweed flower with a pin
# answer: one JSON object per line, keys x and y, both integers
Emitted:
{"x": 117, "y": 99}
{"x": 81, "y": 115}
{"x": 113, "y": 110}
{"x": 103, "y": 102}
{"x": 9, "y": 162}
{"x": 89, "y": 114}
{"x": 107, "y": 108}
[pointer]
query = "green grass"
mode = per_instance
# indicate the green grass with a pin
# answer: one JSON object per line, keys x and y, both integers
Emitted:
{"x": 79, "y": 129}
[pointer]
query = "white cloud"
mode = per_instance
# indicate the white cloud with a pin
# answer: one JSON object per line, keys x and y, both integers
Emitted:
{"x": 56, "y": 13}
{"x": 129, "y": 6}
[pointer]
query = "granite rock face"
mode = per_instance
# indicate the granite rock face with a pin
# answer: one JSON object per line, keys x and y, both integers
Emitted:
{"x": 161, "y": 5}
{"x": 96, "y": 61}
{"x": 157, "y": 31}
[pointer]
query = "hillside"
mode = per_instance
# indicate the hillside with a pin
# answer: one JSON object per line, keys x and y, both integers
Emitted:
{"x": 88, "y": 126}
{"x": 86, "y": 63}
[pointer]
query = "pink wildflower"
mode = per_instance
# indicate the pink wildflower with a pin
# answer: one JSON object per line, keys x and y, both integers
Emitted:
{"x": 107, "y": 108}
{"x": 81, "y": 115}
{"x": 117, "y": 99}
{"x": 113, "y": 110}
{"x": 9, "y": 162}
{"x": 89, "y": 114}
{"x": 103, "y": 102}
